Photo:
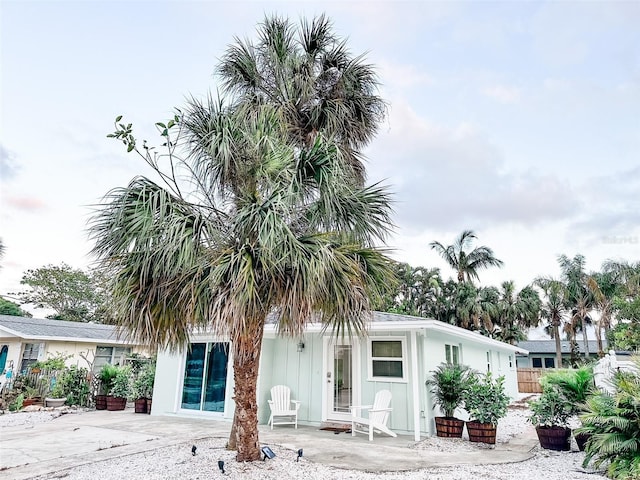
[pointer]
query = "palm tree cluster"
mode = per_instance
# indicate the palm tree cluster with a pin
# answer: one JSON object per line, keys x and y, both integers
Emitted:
{"x": 260, "y": 208}
{"x": 566, "y": 306}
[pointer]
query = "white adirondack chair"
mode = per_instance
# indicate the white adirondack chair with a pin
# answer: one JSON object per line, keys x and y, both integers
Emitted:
{"x": 377, "y": 418}
{"x": 280, "y": 405}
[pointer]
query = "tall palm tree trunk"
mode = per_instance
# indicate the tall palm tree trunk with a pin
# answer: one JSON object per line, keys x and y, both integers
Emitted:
{"x": 245, "y": 373}
{"x": 585, "y": 338}
{"x": 556, "y": 336}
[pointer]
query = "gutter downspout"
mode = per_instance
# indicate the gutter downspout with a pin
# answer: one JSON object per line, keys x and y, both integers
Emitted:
{"x": 414, "y": 382}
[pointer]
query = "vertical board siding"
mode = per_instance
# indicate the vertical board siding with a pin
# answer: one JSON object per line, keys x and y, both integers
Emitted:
{"x": 529, "y": 380}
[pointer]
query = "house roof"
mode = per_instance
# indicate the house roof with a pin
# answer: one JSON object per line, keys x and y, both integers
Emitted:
{"x": 396, "y": 322}
{"x": 47, "y": 329}
{"x": 549, "y": 346}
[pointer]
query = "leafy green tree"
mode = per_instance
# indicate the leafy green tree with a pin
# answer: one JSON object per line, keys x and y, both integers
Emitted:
{"x": 626, "y": 304}
{"x": 476, "y": 307}
{"x": 273, "y": 217}
{"x": 75, "y": 295}
{"x": 415, "y": 291}
{"x": 7, "y": 307}
{"x": 466, "y": 263}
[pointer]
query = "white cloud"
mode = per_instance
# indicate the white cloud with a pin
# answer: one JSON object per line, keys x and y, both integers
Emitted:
{"x": 503, "y": 93}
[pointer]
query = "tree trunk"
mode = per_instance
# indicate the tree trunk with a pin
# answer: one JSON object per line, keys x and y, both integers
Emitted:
{"x": 556, "y": 336}
{"x": 599, "y": 338}
{"x": 232, "y": 444}
{"x": 584, "y": 337}
{"x": 245, "y": 373}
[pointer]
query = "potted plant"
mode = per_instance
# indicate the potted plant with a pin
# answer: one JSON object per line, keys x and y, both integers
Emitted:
{"x": 56, "y": 397}
{"x": 550, "y": 415}
{"x": 106, "y": 376}
{"x": 31, "y": 396}
{"x": 448, "y": 385}
{"x": 575, "y": 386}
{"x": 143, "y": 387}
{"x": 120, "y": 389}
{"x": 486, "y": 402}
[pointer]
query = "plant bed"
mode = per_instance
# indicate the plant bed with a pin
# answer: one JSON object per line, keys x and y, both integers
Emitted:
{"x": 449, "y": 427}
{"x": 554, "y": 438}
{"x": 482, "y": 432}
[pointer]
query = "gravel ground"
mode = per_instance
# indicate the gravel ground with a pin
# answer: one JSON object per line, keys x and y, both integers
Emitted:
{"x": 177, "y": 462}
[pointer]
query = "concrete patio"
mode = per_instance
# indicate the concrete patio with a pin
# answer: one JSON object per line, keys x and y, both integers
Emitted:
{"x": 76, "y": 439}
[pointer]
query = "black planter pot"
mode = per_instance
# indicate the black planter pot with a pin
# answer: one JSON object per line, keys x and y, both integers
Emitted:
{"x": 449, "y": 427}
{"x": 581, "y": 440}
{"x": 554, "y": 438}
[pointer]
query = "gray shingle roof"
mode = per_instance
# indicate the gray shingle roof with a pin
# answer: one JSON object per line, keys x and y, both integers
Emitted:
{"x": 44, "y": 328}
{"x": 549, "y": 346}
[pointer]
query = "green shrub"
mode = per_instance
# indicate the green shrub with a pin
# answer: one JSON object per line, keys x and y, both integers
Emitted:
{"x": 143, "y": 382}
{"x": 613, "y": 422}
{"x": 74, "y": 382}
{"x": 550, "y": 410}
{"x": 448, "y": 385}
{"x": 485, "y": 399}
{"x": 121, "y": 386}
{"x": 107, "y": 375}
{"x": 56, "y": 362}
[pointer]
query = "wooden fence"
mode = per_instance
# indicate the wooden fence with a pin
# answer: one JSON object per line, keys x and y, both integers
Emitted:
{"x": 528, "y": 380}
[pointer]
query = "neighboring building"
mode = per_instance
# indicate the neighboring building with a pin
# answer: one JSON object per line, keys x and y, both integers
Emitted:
{"x": 328, "y": 375}
{"x": 542, "y": 353}
{"x": 24, "y": 341}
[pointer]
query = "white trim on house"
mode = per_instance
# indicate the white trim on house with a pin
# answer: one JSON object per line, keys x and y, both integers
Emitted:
{"x": 427, "y": 324}
{"x": 106, "y": 341}
{"x": 415, "y": 390}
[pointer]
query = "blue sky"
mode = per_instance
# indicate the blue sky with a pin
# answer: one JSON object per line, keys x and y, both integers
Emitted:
{"x": 519, "y": 120}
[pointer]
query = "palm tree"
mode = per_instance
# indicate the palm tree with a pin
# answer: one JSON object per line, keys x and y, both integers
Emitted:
{"x": 466, "y": 263}
{"x": 476, "y": 307}
{"x": 553, "y": 309}
{"x": 273, "y": 216}
{"x": 579, "y": 298}
{"x": 516, "y": 312}
{"x": 603, "y": 288}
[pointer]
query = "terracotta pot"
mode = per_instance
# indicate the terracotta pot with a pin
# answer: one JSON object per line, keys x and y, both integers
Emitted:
{"x": 481, "y": 432}
{"x": 116, "y": 403}
{"x": 101, "y": 402}
{"x": 31, "y": 401}
{"x": 554, "y": 438}
{"x": 449, "y": 427}
{"x": 140, "y": 405}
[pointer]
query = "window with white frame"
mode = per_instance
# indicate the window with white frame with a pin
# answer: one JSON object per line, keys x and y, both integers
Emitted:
{"x": 112, "y": 355}
{"x": 452, "y": 354}
{"x": 511, "y": 361}
{"x": 488, "y": 361}
{"x": 388, "y": 359}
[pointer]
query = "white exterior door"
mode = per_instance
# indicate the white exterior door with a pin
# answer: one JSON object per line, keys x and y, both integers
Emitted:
{"x": 341, "y": 379}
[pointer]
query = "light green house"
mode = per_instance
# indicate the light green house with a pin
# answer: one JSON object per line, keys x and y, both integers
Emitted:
{"x": 328, "y": 375}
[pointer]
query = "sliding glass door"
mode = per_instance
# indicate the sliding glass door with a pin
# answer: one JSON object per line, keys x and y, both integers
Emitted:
{"x": 205, "y": 377}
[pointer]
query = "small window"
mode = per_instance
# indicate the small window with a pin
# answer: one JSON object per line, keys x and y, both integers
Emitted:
{"x": 549, "y": 363}
{"x": 452, "y": 354}
{"x": 112, "y": 355}
{"x": 536, "y": 362}
{"x": 488, "y": 361}
{"x": 29, "y": 355}
{"x": 510, "y": 361}
{"x": 387, "y": 359}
